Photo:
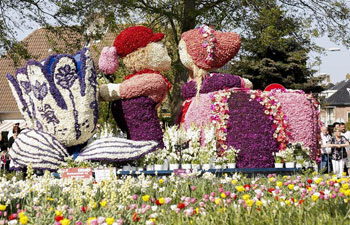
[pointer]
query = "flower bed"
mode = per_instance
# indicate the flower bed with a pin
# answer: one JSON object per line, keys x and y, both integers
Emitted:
{"x": 306, "y": 199}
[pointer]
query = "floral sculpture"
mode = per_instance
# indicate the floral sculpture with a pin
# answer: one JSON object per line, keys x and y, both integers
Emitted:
{"x": 138, "y": 96}
{"x": 253, "y": 121}
{"x": 58, "y": 98}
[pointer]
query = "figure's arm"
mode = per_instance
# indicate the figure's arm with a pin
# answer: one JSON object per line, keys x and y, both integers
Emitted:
{"x": 151, "y": 85}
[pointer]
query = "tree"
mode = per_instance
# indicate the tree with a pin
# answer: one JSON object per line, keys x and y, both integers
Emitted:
{"x": 275, "y": 49}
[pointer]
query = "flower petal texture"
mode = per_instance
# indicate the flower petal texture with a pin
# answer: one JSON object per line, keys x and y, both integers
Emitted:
{"x": 59, "y": 96}
{"x": 41, "y": 150}
{"x": 116, "y": 149}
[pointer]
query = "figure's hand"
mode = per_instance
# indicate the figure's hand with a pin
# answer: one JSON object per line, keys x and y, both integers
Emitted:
{"x": 59, "y": 96}
{"x": 109, "y": 92}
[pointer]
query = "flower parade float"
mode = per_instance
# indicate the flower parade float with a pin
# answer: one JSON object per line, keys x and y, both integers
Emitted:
{"x": 58, "y": 98}
{"x": 258, "y": 123}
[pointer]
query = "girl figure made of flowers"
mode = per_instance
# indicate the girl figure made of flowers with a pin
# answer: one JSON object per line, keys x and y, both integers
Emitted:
{"x": 249, "y": 120}
{"x": 138, "y": 96}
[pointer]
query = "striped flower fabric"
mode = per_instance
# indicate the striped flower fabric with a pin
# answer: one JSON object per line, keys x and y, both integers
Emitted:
{"x": 40, "y": 149}
{"x": 116, "y": 149}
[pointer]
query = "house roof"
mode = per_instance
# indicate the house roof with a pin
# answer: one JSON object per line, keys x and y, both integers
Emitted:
{"x": 40, "y": 44}
{"x": 338, "y": 85}
{"x": 342, "y": 96}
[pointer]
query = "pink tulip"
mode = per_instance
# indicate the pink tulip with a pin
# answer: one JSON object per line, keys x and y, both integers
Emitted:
{"x": 134, "y": 197}
{"x": 206, "y": 196}
{"x": 78, "y": 223}
{"x": 101, "y": 219}
{"x": 120, "y": 222}
{"x": 193, "y": 188}
{"x": 201, "y": 204}
{"x": 18, "y": 206}
{"x": 221, "y": 190}
{"x": 213, "y": 194}
{"x": 229, "y": 201}
{"x": 334, "y": 195}
{"x": 193, "y": 200}
{"x": 227, "y": 193}
{"x": 167, "y": 200}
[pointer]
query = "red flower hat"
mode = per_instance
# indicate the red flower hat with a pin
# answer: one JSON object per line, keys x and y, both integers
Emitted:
{"x": 133, "y": 38}
{"x": 209, "y": 48}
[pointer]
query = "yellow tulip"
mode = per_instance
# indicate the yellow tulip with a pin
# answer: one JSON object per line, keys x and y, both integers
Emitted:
{"x": 65, "y": 222}
{"x": 103, "y": 203}
{"x": 240, "y": 188}
{"x": 58, "y": 213}
{"x": 246, "y": 197}
{"x": 161, "y": 200}
{"x": 288, "y": 202}
{"x": 2, "y": 207}
{"x": 23, "y": 220}
{"x": 279, "y": 183}
{"x": 314, "y": 198}
{"x": 161, "y": 181}
{"x": 259, "y": 203}
{"x": 145, "y": 198}
{"x": 291, "y": 186}
{"x": 217, "y": 201}
{"x": 110, "y": 220}
{"x": 249, "y": 202}
{"x": 223, "y": 195}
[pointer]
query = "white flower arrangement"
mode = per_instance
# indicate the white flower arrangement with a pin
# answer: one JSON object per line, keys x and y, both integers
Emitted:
{"x": 231, "y": 154}
{"x": 279, "y": 156}
{"x": 296, "y": 152}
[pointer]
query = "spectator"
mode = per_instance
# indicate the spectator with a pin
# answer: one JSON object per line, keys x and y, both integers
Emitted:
{"x": 325, "y": 151}
{"x": 16, "y": 130}
{"x": 3, "y": 160}
{"x": 338, "y": 144}
{"x": 345, "y": 133}
{"x": 2, "y": 143}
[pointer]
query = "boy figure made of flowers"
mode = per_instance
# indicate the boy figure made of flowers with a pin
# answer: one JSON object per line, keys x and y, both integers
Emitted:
{"x": 249, "y": 120}
{"x": 138, "y": 96}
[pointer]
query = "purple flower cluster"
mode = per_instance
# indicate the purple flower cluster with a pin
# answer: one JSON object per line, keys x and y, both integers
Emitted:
{"x": 250, "y": 130}
{"x": 213, "y": 82}
{"x": 138, "y": 117}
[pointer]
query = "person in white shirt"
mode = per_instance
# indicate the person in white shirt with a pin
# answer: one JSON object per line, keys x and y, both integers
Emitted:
{"x": 325, "y": 151}
{"x": 346, "y": 134}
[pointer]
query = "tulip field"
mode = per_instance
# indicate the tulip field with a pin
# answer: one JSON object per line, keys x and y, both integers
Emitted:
{"x": 186, "y": 199}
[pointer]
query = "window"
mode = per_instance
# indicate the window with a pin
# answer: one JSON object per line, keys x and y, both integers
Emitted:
{"x": 330, "y": 115}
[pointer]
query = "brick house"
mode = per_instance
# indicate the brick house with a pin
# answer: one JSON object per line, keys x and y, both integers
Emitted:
{"x": 336, "y": 107}
{"x": 40, "y": 44}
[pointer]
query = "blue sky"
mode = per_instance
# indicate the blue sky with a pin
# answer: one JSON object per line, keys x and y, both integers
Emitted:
{"x": 334, "y": 63}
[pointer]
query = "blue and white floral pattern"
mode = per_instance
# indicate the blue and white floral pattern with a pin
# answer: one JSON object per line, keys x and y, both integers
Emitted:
{"x": 58, "y": 95}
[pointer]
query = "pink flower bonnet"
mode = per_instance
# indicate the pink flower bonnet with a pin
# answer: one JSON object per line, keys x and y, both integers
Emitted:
{"x": 211, "y": 49}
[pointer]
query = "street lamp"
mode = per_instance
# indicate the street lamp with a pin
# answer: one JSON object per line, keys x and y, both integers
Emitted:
{"x": 333, "y": 49}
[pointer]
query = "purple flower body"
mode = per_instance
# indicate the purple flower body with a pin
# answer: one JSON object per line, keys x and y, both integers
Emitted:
{"x": 250, "y": 130}
{"x": 138, "y": 117}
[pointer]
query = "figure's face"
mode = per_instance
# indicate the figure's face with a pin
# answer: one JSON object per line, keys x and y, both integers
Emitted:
{"x": 184, "y": 56}
{"x": 159, "y": 59}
